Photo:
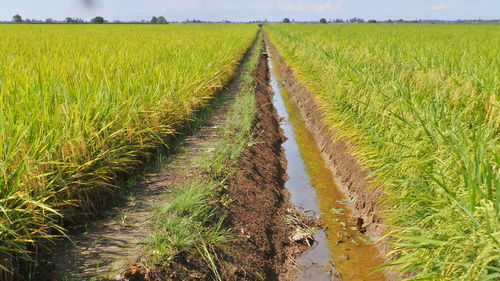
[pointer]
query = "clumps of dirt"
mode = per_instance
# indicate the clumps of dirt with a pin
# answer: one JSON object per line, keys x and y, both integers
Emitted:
{"x": 304, "y": 227}
{"x": 186, "y": 266}
{"x": 266, "y": 226}
{"x": 260, "y": 201}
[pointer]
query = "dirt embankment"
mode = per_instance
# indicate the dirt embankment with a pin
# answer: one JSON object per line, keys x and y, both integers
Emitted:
{"x": 260, "y": 199}
{"x": 349, "y": 174}
{"x": 262, "y": 248}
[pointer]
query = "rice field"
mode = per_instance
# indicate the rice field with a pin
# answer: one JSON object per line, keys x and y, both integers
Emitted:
{"x": 84, "y": 106}
{"x": 81, "y": 105}
{"x": 419, "y": 105}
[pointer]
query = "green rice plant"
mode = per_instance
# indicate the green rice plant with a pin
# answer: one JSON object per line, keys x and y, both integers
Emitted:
{"x": 81, "y": 106}
{"x": 419, "y": 105}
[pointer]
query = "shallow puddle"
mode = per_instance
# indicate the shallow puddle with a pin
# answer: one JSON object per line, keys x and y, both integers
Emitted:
{"x": 341, "y": 247}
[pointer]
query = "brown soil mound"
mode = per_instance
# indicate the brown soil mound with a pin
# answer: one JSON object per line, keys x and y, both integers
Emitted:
{"x": 262, "y": 249}
{"x": 260, "y": 199}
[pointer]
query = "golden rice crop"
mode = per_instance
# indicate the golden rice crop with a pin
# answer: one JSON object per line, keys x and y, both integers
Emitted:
{"x": 420, "y": 105}
{"x": 81, "y": 104}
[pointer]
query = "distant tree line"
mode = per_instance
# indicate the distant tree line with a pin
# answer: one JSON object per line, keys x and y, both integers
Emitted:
{"x": 158, "y": 20}
{"x": 163, "y": 20}
{"x": 96, "y": 20}
{"x": 360, "y": 20}
{"x": 323, "y": 20}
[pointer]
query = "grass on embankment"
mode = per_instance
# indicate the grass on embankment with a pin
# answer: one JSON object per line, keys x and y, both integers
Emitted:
{"x": 419, "y": 104}
{"x": 192, "y": 219}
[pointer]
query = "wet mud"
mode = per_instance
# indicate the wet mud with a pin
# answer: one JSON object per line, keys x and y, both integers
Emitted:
{"x": 263, "y": 248}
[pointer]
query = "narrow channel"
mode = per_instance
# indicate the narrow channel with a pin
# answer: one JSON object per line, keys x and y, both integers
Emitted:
{"x": 341, "y": 252}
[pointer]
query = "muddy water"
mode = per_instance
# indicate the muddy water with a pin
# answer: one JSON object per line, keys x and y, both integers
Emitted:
{"x": 341, "y": 251}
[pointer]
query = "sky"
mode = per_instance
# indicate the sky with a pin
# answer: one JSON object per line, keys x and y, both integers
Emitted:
{"x": 246, "y": 10}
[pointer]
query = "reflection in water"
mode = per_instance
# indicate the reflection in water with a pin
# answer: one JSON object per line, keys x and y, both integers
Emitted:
{"x": 341, "y": 247}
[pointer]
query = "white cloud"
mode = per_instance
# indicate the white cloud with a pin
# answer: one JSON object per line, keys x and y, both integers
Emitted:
{"x": 449, "y": 5}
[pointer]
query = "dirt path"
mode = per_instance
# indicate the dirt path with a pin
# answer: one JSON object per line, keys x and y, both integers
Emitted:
{"x": 114, "y": 243}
